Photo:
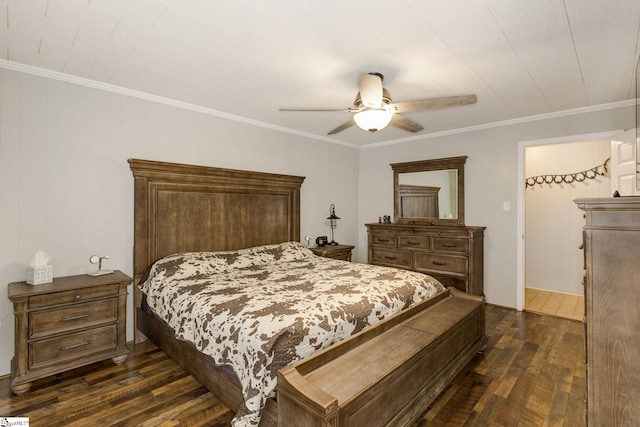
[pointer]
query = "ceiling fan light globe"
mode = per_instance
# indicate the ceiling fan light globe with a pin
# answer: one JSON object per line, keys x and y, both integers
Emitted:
{"x": 372, "y": 120}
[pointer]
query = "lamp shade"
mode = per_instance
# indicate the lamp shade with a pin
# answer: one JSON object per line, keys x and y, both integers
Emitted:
{"x": 373, "y": 119}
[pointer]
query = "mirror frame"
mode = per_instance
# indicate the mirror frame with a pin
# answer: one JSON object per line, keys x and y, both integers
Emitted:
{"x": 456, "y": 163}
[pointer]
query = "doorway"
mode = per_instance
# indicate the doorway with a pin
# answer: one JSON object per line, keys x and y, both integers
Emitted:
{"x": 558, "y": 236}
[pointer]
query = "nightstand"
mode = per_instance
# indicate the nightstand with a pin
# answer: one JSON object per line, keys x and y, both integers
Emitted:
{"x": 342, "y": 252}
{"x": 70, "y": 322}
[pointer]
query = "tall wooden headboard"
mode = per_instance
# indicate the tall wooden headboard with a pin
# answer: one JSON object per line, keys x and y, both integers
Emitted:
{"x": 181, "y": 208}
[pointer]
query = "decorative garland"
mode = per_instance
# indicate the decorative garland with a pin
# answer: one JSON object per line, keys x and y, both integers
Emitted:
{"x": 600, "y": 170}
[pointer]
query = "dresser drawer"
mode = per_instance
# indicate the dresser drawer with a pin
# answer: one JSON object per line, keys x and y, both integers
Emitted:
{"x": 71, "y": 346}
{"x": 413, "y": 242}
{"x": 443, "y": 263}
{"x": 75, "y": 295}
{"x": 395, "y": 258}
{"x": 384, "y": 239}
{"x": 91, "y": 313}
{"x": 450, "y": 244}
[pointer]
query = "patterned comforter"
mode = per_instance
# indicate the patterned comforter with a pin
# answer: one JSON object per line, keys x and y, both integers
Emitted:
{"x": 260, "y": 309}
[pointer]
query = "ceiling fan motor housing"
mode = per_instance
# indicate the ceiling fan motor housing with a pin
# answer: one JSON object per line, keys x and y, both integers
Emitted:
{"x": 386, "y": 99}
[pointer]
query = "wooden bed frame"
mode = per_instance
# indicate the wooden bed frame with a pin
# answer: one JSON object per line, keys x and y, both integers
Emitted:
{"x": 359, "y": 381}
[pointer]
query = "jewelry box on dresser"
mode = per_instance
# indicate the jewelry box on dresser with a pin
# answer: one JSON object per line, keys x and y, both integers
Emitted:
{"x": 612, "y": 309}
{"x": 429, "y": 234}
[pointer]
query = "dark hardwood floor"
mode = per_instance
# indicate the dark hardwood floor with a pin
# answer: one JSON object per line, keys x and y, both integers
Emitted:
{"x": 532, "y": 374}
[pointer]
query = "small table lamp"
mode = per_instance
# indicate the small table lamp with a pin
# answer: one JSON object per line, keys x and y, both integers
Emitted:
{"x": 95, "y": 259}
{"x": 333, "y": 219}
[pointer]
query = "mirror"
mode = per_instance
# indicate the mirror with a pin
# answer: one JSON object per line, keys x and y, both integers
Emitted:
{"x": 429, "y": 192}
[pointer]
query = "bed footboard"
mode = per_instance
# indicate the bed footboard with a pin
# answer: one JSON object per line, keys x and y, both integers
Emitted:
{"x": 386, "y": 375}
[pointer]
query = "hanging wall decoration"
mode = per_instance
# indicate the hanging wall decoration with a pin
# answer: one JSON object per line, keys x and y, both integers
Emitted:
{"x": 600, "y": 170}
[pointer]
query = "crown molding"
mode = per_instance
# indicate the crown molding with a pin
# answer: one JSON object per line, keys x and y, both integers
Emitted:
{"x": 82, "y": 81}
{"x": 528, "y": 119}
{"x": 56, "y": 75}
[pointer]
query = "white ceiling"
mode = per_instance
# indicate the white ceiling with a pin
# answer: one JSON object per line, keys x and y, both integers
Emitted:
{"x": 245, "y": 59}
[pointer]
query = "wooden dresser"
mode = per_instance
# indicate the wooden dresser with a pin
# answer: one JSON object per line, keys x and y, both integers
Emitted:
{"x": 70, "y": 322}
{"x": 453, "y": 255}
{"x": 612, "y": 316}
{"x": 342, "y": 252}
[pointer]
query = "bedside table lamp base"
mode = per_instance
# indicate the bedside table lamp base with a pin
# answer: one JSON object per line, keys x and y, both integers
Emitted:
{"x": 95, "y": 259}
{"x": 100, "y": 273}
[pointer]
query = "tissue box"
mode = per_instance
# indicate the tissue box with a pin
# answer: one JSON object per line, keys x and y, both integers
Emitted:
{"x": 39, "y": 274}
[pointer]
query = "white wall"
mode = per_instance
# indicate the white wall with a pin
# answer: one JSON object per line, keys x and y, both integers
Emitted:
{"x": 491, "y": 178}
{"x": 66, "y": 188}
{"x": 553, "y": 221}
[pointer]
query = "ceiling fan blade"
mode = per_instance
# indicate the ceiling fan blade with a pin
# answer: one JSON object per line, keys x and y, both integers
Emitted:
{"x": 330, "y": 110}
{"x": 371, "y": 90}
{"x": 342, "y": 127}
{"x": 433, "y": 103}
{"x": 402, "y": 122}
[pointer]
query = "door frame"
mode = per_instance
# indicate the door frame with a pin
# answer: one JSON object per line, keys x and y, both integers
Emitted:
{"x": 620, "y": 168}
{"x": 522, "y": 146}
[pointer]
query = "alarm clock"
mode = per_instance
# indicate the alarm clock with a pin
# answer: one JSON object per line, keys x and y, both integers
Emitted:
{"x": 322, "y": 241}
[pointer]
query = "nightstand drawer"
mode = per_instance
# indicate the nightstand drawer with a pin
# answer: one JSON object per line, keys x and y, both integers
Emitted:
{"x": 92, "y": 313}
{"x": 450, "y": 264}
{"x": 76, "y": 295}
{"x": 450, "y": 244}
{"x": 344, "y": 255}
{"x": 69, "y": 347}
{"x": 341, "y": 252}
{"x": 391, "y": 257}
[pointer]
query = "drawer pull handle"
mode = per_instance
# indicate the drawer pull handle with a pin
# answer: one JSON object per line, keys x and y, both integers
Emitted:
{"x": 72, "y": 346}
{"x": 72, "y": 318}
{"x": 383, "y": 240}
{"x": 413, "y": 243}
{"x": 389, "y": 257}
{"x": 438, "y": 263}
{"x": 581, "y": 246}
{"x": 77, "y": 297}
{"x": 449, "y": 245}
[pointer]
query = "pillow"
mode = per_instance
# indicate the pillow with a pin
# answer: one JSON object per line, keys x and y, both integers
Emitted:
{"x": 281, "y": 252}
{"x": 194, "y": 265}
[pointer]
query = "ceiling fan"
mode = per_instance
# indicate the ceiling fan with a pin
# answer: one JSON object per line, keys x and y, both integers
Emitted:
{"x": 373, "y": 109}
